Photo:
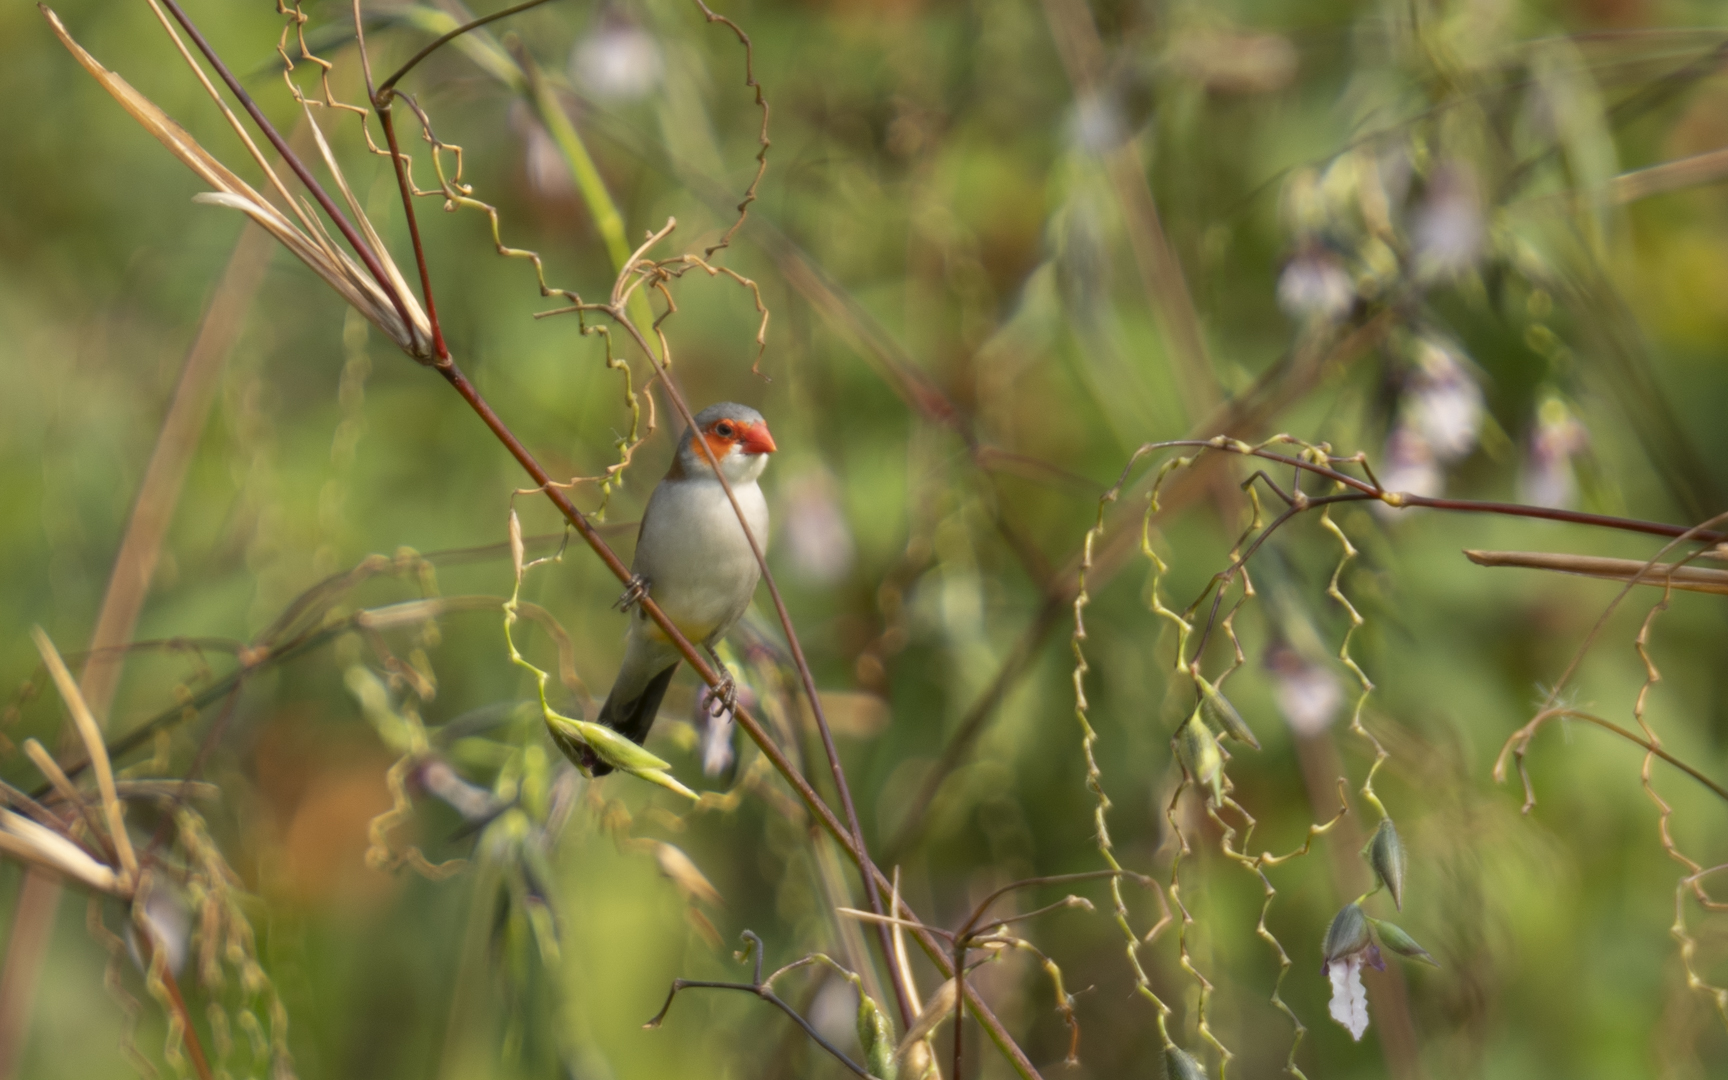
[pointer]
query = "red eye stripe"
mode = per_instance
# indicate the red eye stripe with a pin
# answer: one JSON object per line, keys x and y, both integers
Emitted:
{"x": 717, "y": 445}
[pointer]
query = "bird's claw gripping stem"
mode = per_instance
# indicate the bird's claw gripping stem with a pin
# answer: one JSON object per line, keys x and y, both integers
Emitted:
{"x": 633, "y": 593}
{"x": 723, "y": 698}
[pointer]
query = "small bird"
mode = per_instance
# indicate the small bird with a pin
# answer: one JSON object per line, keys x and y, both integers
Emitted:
{"x": 693, "y": 559}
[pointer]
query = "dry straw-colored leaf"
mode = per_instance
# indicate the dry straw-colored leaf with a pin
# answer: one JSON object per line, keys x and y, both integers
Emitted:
{"x": 41, "y": 846}
{"x": 93, "y": 745}
{"x": 1687, "y": 578}
{"x": 684, "y": 873}
{"x": 310, "y": 243}
{"x": 938, "y": 1009}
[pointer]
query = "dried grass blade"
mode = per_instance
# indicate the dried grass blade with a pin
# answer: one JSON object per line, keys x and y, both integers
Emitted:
{"x": 939, "y": 1008}
{"x": 92, "y": 736}
{"x": 1661, "y": 575}
{"x": 312, "y": 245}
{"x": 1706, "y": 168}
{"x": 158, "y": 123}
{"x": 376, "y": 243}
{"x": 40, "y": 846}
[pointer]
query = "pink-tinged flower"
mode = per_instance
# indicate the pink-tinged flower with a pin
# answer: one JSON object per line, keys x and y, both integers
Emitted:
{"x": 1443, "y": 403}
{"x": 817, "y": 541}
{"x": 1314, "y": 286}
{"x": 1548, "y": 477}
{"x": 1349, "y": 945}
{"x": 543, "y": 164}
{"x": 1307, "y": 693}
{"x": 1409, "y": 467}
{"x": 1448, "y": 232}
{"x": 618, "y": 61}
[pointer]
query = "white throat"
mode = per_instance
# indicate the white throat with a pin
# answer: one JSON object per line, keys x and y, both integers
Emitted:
{"x": 737, "y": 466}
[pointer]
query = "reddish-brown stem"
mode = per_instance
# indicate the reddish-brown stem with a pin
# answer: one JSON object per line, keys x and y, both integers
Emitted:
{"x": 1225, "y": 577}
{"x": 367, "y": 256}
{"x": 841, "y": 834}
{"x": 388, "y": 87}
{"x": 382, "y": 105}
{"x": 850, "y": 838}
{"x": 866, "y": 868}
{"x": 959, "y": 1004}
{"x": 188, "y": 1033}
{"x": 1469, "y": 506}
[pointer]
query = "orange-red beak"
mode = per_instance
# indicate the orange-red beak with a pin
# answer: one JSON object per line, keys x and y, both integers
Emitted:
{"x": 756, "y": 439}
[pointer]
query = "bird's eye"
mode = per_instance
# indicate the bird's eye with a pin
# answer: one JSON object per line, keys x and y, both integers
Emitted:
{"x": 723, "y": 429}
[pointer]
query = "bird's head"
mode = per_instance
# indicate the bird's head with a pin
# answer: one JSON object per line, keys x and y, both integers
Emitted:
{"x": 734, "y": 435}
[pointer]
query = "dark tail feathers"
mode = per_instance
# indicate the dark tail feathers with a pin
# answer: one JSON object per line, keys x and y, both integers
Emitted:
{"x": 632, "y": 719}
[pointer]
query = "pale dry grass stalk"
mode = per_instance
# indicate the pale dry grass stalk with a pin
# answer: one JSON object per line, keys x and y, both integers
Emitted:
{"x": 128, "y": 585}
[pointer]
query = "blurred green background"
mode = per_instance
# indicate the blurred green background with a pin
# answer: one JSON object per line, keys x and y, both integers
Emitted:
{"x": 1003, "y": 243}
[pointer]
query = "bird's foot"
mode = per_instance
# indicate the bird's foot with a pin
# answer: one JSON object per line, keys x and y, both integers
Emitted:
{"x": 633, "y": 593}
{"x": 723, "y": 699}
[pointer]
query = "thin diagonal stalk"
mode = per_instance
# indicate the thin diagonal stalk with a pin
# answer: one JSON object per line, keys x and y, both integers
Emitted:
{"x": 849, "y": 838}
{"x": 842, "y": 788}
{"x": 606, "y": 214}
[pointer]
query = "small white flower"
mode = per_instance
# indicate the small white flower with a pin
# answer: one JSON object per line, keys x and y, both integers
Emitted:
{"x": 1410, "y": 467}
{"x": 444, "y": 783}
{"x": 818, "y": 541}
{"x": 1448, "y": 232}
{"x": 1308, "y": 694}
{"x": 1349, "y": 1005}
{"x": 543, "y": 164}
{"x": 1444, "y": 403}
{"x": 1548, "y": 477}
{"x": 618, "y": 61}
{"x": 1315, "y": 286}
{"x": 1349, "y": 945}
{"x": 714, "y": 728}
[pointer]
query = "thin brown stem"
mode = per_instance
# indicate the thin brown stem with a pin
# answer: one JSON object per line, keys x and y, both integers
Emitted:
{"x": 842, "y": 835}
{"x": 1469, "y": 506}
{"x": 188, "y": 1033}
{"x": 397, "y": 159}
{"x": 762, "y": 988}
{"x": 387, "y": 88}
{"x": 842, "y": 788}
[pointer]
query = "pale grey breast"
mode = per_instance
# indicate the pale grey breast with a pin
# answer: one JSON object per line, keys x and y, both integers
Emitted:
{"x": 702, "y": 572}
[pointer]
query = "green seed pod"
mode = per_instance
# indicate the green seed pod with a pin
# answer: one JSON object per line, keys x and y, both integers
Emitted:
{"x": 1395, "y": 938}
{"x": 1222, "y": 715}
{"x": 1179, "y": 1064}
{"x": 1348, "y": 933}
{"x": 876, "y": 1036}
{"x": 1385, "y": 853}
{"x": 1198, "y": 752}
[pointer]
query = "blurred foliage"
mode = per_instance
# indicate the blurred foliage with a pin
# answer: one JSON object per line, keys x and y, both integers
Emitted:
{"x": 1004, "y": 244}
